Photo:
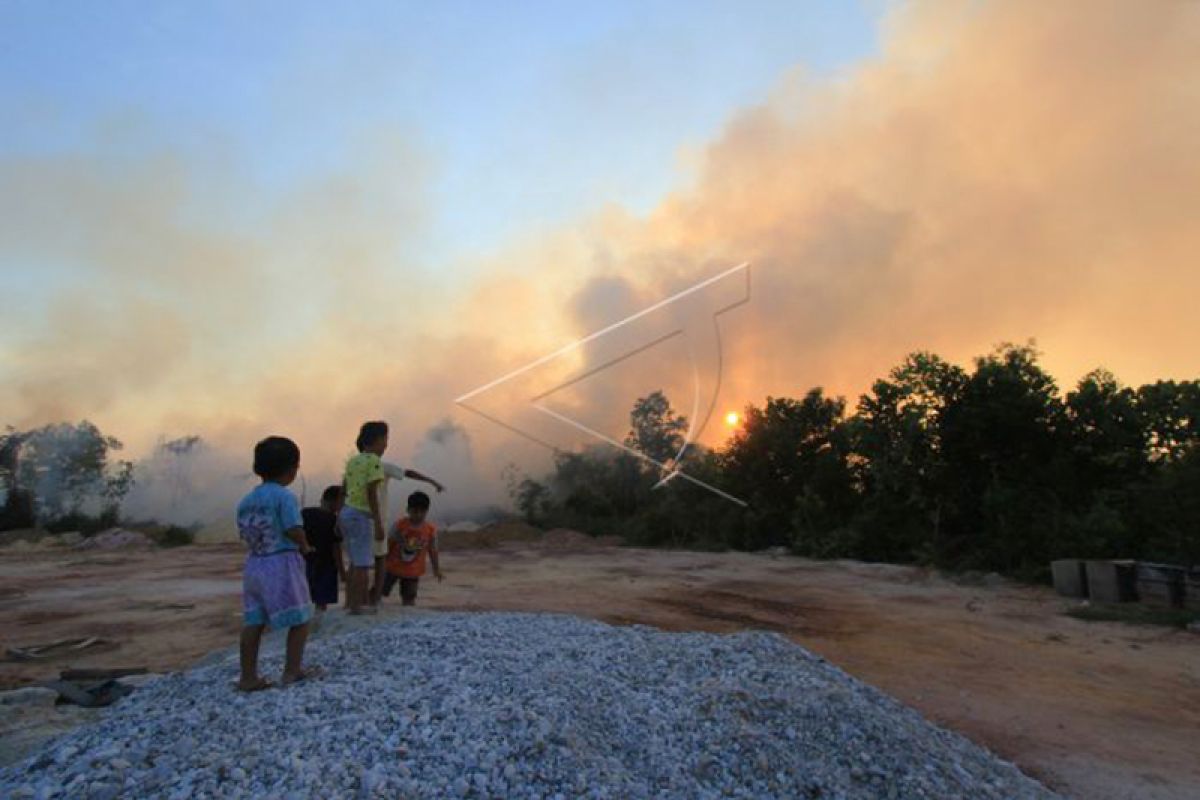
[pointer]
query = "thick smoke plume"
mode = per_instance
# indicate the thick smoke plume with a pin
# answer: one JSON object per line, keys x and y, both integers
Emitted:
{"x": 1000, "y": 171}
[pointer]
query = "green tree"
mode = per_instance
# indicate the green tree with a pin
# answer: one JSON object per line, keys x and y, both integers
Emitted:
{"x": 896, "y": 435}
{"x": 655, "y": 429}
{"x": 1166, "y": 504}
{"x": 1109, "y": 432}
{"x": 791, "y": 460}
{"x": 18, "y": 510}
{"x": 65, "y": 467}
{"x": 1002, "y": 449}
{"x": 1167, "y": 511}
{"x": 1172, "y": 413}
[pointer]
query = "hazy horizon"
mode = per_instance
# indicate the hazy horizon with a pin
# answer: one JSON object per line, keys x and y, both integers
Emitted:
{"x": 210, "y": 229}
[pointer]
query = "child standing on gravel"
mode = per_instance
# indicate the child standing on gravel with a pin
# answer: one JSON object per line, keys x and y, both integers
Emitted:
{"x": 361, "y": 517}
{"x": 324, "y": 562}
{"x": 274, "y": 586}
{"x": 411, "y": 538}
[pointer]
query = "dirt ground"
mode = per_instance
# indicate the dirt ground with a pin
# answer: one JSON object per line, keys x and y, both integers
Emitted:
{"x": 1095, "y": 710}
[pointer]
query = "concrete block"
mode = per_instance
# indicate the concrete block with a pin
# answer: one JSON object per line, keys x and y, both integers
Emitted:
{"x": 1112, "y": 581}
{"x": 1070, "y": 577}
{"x": 1191, "y": 589}
{"x": 1160, "y": 585}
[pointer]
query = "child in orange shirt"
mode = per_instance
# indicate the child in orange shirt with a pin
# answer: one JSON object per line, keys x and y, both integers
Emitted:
{"x": 411, "y": 538}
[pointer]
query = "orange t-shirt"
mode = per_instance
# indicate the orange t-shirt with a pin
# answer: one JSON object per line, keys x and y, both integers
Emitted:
{"x": 407, "y": 546}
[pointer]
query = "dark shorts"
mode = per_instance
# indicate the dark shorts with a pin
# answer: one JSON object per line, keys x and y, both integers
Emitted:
{"x": 323, "y": 583}
{"x": 408, "y": 588}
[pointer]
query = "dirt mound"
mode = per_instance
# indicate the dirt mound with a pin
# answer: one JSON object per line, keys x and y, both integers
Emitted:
{"x": 491, "y": 535}
{"x": 114, "y": 539}
{"x": 569, "y": 540}
{"x": 496, "y": 534}
{"x": 27, "y": 535}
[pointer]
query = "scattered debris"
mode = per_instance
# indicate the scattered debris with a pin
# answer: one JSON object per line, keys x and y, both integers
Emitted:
{"x": 89, "y": 688}
{"x": 100, "y": 674}
{"x": 160, "y": 606}
{"x": 114, "y": 539}
{"x": 28, "y": 696}
{"x": 90, "y": 694}
{"x": 61, "y": 647}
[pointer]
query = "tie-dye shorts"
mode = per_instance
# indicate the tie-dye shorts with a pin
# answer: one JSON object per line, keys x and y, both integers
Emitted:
{"x": 275, "y": 591}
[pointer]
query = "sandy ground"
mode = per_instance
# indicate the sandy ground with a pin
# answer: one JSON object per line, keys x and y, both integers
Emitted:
{"x": 1095, "y": 710}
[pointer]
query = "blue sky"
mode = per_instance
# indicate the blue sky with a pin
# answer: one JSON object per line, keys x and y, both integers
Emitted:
{"x": 524, "y": 114}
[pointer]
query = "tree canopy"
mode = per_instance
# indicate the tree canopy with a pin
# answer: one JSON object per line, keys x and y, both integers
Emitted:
{"x": 991, "y": 467}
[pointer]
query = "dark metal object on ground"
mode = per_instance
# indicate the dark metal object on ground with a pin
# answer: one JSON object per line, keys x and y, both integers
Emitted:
{"x": 89, "y": 695}
{"x": 100, "y": 674}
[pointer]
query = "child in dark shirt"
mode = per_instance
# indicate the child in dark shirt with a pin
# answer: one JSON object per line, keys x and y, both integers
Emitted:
{"x": 324, "y": 564}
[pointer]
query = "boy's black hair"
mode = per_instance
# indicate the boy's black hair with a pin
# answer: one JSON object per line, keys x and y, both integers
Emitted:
{"x": 274, "y": 456}
{"x": 369, "y": 433}
{"x": 331, "y": 494}
{"x": 419, "y": 501}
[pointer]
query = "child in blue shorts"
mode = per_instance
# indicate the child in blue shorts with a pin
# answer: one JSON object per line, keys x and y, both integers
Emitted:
{"x": 274, "y": 586}
{"x": 361, "y": 517}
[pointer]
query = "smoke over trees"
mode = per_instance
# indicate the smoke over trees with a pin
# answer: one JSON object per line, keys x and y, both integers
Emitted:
{"x": 62, "y": 474}
{"x": 988, "y": 468}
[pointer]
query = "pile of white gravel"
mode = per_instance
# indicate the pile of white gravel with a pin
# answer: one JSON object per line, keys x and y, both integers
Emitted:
{"x": 521, "y": 706}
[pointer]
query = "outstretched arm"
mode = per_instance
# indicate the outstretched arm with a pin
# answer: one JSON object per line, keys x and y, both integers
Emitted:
{"x": 420, "y": 476}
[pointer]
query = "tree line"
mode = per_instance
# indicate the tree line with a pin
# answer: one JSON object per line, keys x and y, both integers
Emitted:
{"x": 61, "y": 476}
{"x": 986, "y": 468}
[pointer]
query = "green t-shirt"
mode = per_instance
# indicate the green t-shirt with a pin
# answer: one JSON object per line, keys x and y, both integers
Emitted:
{"x": 361, "y": 471}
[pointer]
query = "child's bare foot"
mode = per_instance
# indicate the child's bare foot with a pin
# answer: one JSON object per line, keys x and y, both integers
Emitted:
{"x": 257, "y": 684}
{"x": 308, "y": 674}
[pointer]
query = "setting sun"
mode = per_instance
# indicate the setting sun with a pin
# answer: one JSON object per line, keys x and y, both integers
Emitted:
{"x": 732, "y": 419}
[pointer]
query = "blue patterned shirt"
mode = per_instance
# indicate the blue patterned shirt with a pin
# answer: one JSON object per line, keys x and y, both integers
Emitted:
{"x": 265, "y": 516}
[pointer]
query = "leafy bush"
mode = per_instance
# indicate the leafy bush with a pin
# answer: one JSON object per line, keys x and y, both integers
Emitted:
{"x": 175, "y": 536}
{"x": 87, "y": 524}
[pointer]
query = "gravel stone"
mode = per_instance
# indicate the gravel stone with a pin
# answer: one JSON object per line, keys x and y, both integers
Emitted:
{"x": 521, "y": 706}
